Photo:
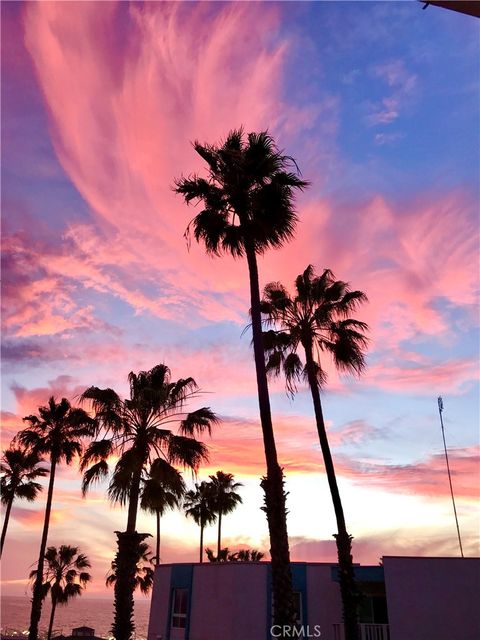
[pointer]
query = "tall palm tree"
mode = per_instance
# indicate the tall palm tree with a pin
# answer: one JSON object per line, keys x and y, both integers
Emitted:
{"x": 144, "y": 573}
{"x": 224, "y": 499}
{"x": 248, "y": 207}
{"x": 199, "y": 506}
{"x": 318, "y": 319}
{"x": 136, "y": 429}
{"x": 64, "y": 577}
{"x": 19, "y": 470}
{"x": 56, "y": 432}
{"x": 162, "y": 489}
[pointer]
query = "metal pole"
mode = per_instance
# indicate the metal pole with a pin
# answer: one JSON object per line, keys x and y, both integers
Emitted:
{"x": 440, "y": 410}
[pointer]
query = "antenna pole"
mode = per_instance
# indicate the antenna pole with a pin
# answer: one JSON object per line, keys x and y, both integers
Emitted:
{"x": 440, "y": 410}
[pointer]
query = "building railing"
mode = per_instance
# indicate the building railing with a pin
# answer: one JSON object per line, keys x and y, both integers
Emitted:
{"x": 368, "y": 631}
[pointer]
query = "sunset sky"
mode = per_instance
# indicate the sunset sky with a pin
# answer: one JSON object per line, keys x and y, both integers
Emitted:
{"x": 378, "y": 103}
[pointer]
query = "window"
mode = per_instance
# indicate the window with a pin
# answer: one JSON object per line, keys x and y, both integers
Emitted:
{"x": 179, "y": 610}
{"x": 297, "y": 604}
{"x": 297, "y": 601}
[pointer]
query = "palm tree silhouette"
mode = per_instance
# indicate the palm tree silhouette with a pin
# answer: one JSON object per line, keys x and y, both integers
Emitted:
{"x": 55, "y": 432}
{"x": 20, "y": 469}
{"x": 248, "y": 207}
{"x": 198, "y": 505}
{"x": 64, "y": 577}
{"x": 318, "y": 319}
{"x": 224, "y": 499}
{"x": 243, "y": 555}
{"x": 247, "y": 555}
{"x": 144, "y": 573}
{"x": 163, "y": 489}
{"x": 136, "y": 430}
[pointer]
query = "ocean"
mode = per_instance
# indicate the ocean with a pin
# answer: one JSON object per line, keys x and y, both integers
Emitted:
{"x": 91, "y": 612}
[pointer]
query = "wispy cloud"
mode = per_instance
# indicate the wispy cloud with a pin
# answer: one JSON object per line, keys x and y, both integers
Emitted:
{"x": 403, "y": 86}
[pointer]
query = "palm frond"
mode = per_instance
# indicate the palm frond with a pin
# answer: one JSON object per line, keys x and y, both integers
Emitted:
{"x": 187, "y": 452}
{"x": 29, "y": 491}
{"x": 120, "y": 483}
{"x": 198, "y": 422}
{"x": 293, "y": 370}
{"x": 106, "y": 405}
{"x": 95, "y": 474}
{"x": 96, "y": 451}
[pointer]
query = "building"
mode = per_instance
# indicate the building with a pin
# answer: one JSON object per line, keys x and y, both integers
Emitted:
{"x": 404, "y": 599}
{"x": 86, "y": 633}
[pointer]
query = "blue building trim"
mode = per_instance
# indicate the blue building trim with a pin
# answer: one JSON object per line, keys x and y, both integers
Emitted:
{"x": 181, "y": 577}
{"x": 362, "y": 574}
{"x": 299, "y": 581}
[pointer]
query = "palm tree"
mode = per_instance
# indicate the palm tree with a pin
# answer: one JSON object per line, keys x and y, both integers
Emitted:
{"x": 318, "y": 319}
{"x": 20, "y": 469}
{"x": 65, "y": 577}
{"x": 222, "y": 556}
{"x": 144, "y": 574}
{"x": 242, "y": 555}
{"x": 136, "y": 430}
{"x": 248, "y": 207}
{"x": 55, "y": 432}
{"x": 247, "y": 555}
{"x": 224, "y": 499}
{"x": 163, "y": 489}
{"x": 198, "y": 505}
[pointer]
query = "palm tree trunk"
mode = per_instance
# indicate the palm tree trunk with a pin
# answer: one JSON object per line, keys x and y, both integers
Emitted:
{"x": 52, "y": 618}
{"x": 219, "y": 540}
{"x": 201, "y": 543}
{"x": 157, "y": 562}
{"x": 5, "y": 522}
{"x": 272, "y": 484}
{"x": 37, "y": 599}
{"x": 128, "y": 555}
{"x": 133, "y": 501}
{"x": 348, "y": 586}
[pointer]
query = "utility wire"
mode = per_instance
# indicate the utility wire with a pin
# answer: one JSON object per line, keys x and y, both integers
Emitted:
{"x": 440, "y": 411}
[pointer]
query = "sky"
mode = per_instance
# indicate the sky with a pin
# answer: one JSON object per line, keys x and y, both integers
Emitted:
{"x": 378, "y": 104}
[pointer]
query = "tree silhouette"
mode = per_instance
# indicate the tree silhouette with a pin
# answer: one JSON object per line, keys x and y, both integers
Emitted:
{"x": 56, "y": 432}
{"x": 144, "y": 573}
{"x": 20, "y": 469}
{"x": 224, "y": 499}
{"x": 163, "y": 489}
{"x": 243, "y": 555}
{"x": 248, "y": 207}
{"x": 136, "y": 429}
{"x": 318, "y": 319}
{"x": 198, "y": 504}
{"x": 64, "y": 577}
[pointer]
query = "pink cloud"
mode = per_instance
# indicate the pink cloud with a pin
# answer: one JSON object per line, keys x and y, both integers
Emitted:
{"x": 370, "y": 550}
{"x": 450, "y": 376}
{"x": 127, "y": 181}
{"x": 37, "y": 299}
{"x": 35, "y": 517}
{"x": 427, "y": 477}
{"x": 28, "y": 400}
{"x": 11, "y": 424}
{"x": 398, "y": 253}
